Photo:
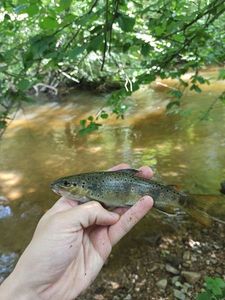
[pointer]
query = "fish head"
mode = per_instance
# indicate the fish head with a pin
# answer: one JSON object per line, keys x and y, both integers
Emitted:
{"x": 72, "y": 187}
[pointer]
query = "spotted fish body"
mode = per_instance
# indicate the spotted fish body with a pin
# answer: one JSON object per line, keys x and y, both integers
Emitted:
{"x": 118, "y": 189}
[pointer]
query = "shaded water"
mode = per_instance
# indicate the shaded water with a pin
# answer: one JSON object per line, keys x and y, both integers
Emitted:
{"x": 42, "y": 144}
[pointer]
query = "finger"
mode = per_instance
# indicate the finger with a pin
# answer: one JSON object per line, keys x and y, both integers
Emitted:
{"x": 145, "y": 172}
{"x": 120, "y": 167}
{"x": 121, "y": 210}
{"x": 129, "y": 219}
{"x": 87, "y": 214}
{"x": 61, "y": 205}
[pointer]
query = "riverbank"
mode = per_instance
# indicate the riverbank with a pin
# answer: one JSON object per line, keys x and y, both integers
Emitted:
{"x": 172, "y": 266}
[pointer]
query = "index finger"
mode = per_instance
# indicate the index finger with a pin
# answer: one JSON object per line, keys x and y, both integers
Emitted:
{"x": 144, "y": 171}
{"x": 130, "y": 218}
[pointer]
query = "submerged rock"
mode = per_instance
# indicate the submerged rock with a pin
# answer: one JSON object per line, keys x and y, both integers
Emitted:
{"x": 5, "y": 211}
{"x": 7, "y": 263}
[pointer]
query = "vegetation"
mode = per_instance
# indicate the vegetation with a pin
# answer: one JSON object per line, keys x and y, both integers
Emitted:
{"x": 215, "y": 289}
{"x": 47, "y": 43}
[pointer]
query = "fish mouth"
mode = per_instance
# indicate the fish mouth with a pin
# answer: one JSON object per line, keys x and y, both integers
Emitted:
{"x": 56, "y": 190}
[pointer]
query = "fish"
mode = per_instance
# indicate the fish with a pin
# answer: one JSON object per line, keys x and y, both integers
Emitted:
{"x": 121, "y": 188}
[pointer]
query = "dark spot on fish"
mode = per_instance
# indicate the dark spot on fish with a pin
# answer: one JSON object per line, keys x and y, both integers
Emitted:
{"x": 71, "y": 246}
{"x": 74, "y": 184}
{"x": 66, "y": 183}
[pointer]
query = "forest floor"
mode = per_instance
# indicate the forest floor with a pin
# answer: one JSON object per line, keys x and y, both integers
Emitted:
{"x": 170, "y": 267}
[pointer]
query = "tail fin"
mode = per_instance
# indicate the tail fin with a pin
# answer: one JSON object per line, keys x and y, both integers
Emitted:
{"x": 202, "y": 217}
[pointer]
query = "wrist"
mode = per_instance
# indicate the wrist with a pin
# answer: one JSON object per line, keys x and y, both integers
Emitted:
{"x": 14, "y": 288}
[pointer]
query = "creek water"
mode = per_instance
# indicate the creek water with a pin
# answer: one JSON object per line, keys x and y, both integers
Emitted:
{"x": 43, "y": 143}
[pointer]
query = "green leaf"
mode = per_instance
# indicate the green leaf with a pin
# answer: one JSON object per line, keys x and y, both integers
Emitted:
{"x": 83, "y": 123}
{"x": 126, "y": 47}
{"x": 48, "y": 23}
{"x": 92, "y": 126}
{"x": 172, "y": 104}
{"x": 7, "y": 17}
{"x": 195, "y": 88}
{"x": 222, "y": 97}
{"x": 2, "y": 58}
{"x": 176, "y": 93}
{"x": 96, "y": 43}
{"x": 220, "y": 282}
{"x": 179, "y": 38}
{"x": 89, "y": 18}
{"x": 104, "y": 115}
{"x": 65, "y": 4}
{"x": 215, "y": 285}
{"x": 159, "y": 30}
{"x": 3, "y": 124}
{"x": 145, "y": 49}
{"x": 32, "y": 10}
{"x": 126, "y": 23}
{"x": 205, "y": 296}
{"x": 221, "y": 75}
{"x": 146, "y": 78}
{"x": 200, "y": 79}
{"x": 91, "y": 118}
{"x": 23, "y": 84}
{"x": 73, "y": 53}
{"x": 184, "y": 83}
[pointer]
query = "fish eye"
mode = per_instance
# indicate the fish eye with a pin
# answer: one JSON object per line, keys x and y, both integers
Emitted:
{"x": 66, "y": 183}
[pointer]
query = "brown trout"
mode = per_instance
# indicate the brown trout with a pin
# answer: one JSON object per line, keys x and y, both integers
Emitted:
{"x": 120, "y": 188}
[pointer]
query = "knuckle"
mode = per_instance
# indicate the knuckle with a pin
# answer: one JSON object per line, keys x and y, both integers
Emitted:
{"x": 94, "y": 205}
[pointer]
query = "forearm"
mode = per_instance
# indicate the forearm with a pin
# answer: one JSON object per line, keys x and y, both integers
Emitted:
{"x": 14, "y": 288}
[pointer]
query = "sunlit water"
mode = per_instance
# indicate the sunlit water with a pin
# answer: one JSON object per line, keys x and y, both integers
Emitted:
{"x": 42, "y": 144}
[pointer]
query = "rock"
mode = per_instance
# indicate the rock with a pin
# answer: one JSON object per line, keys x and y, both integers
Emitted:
{"x": 128, "y": 297}
{"x": 186, "y": 255}
{"x": 178, "y": 284}
{"x": 99, "y": 297}
{"x": 194, "y": 258}
{"x": 191, "y": 277}
{"x": 5, "y": 212}
{"x": 179, "y": 295}
{"x": 162, "y": 283}
{"x": 115, "y": 285}
{"x": 219, "y": 270}
{"x": 7, "y": 263}
{"x": 175, "y": 279}
{"x": 153, "y": 269}
{"x": 171, "y": 269}
{"x": 3, "y": 199}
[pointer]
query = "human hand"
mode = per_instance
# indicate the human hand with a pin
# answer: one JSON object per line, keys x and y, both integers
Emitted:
{"x": 71, "y": 244}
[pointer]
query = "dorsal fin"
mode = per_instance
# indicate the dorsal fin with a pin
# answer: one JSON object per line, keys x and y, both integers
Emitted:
{"x": 129, "y": 171}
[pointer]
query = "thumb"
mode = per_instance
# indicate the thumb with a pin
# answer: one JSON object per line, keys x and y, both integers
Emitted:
{"x": 90, "y": 213}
